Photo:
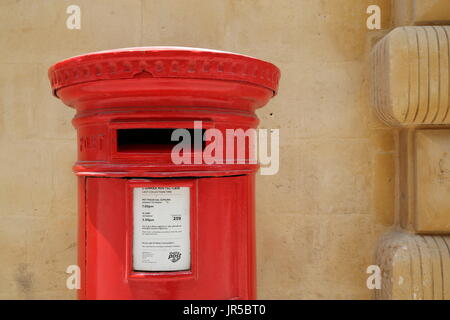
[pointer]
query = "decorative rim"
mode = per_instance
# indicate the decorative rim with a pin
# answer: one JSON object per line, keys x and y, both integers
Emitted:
{"x": 163, "y": 62}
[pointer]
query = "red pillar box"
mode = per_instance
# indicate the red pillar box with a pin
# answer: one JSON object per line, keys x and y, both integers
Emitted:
{"x": 157, "y": 220}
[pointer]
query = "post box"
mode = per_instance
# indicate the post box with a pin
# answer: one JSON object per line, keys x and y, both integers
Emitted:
{"x": 151, "y": 227}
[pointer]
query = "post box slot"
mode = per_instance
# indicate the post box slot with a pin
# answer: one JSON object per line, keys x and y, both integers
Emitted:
{"x": 151, "y": 140}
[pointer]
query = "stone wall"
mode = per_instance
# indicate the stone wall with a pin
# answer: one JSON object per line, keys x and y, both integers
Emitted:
{"x": 318, "y": 220}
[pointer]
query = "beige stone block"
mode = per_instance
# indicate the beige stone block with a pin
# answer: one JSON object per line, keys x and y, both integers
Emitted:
{"x": 285, "y": 186}
{"x": 282, "y": 269}
{"x": 26, "y": 171}
{"x": 383, "y": 140}
{"x": 406, "y": 172}
{"x": 19, "y": 87}
{"x": 424, "y": 201}
{"x": 56, "y": 295}
{"x": 35, "y": 254}
{"x": 194, "y": 23}
{"x": 337, "y": 176}
{"x": 35, "y": 31}
{"x": 332, "y": 88}
{"x": 402, "y": 12}
{"x": 52, "y": 247}
{"x": 333, "y": 31}
{"x": 410, "y": 76}
{"x": 248, "y": 33}
{"x": 384, "y": 187}
{"x": 331, "y": 250}
{"x": 14, "y": 280}
{"x": 349, "y": 251}
{"x": 305, "y": 102}
{"x": 408, "y": 12}
{"x": 433, "y": 181}
{"x": 427, "y": 11}
{"x": 414, "y": 267}
{"x": 28, "y": 111}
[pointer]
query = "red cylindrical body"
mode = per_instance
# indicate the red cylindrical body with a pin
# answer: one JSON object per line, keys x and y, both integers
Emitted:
{"x": 150, "y": 228}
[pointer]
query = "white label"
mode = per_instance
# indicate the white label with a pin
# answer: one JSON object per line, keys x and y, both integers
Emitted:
{"x": 161, "y": 237}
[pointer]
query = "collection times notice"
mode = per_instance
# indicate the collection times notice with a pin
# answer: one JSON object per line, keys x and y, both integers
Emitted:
{"x": 161, "y": 237}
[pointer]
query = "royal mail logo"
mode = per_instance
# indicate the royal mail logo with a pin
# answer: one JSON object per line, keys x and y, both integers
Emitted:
{"x": 174, "y": 256}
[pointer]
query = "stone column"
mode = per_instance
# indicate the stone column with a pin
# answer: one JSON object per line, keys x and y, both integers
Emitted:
{"x": 410, "y": 91}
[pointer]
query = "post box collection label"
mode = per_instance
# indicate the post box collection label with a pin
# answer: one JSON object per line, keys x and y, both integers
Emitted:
{"x": 161, "y": 229}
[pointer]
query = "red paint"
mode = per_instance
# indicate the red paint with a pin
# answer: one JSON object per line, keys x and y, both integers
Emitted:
{"x": 163, "y": 88}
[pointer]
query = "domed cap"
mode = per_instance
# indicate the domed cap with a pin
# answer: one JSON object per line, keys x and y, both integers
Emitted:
{"x": 163, "y": 62}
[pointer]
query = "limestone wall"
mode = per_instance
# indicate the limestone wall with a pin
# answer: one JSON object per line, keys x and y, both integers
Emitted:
{"x": 318, "y": 220}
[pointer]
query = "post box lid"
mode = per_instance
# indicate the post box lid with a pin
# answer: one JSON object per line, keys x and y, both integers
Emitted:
{"x": 163, "y": 62}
